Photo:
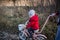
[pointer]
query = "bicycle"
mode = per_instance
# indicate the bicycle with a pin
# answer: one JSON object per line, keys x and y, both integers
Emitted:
{"x": 24, "y": 35}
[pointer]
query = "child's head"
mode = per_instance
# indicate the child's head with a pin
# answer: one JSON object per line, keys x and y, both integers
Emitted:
{"x": 31, "y": 13}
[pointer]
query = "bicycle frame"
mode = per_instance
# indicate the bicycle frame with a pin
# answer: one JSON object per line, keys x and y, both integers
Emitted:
{"x": 24, "y": 35}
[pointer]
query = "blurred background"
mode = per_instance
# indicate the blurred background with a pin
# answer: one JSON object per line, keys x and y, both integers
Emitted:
{"x": 14, "y": 12}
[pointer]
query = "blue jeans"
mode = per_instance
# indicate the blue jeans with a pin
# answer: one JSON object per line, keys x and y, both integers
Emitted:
{"x": 58, "y": 33}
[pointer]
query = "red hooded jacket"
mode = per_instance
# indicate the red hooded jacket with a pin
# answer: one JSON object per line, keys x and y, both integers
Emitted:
{"x": 33, "y": 22}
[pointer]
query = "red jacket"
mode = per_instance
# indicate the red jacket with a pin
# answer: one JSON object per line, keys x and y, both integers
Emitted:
{"x": 33, "y": 22}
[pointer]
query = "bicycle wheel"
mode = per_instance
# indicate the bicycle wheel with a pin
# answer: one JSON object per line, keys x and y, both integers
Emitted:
{"x": 41, "y": 37}
{"x": 22, "y": 36}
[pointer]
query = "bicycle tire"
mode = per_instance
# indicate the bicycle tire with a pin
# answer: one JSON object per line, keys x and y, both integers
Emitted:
{"x": 22, "y": 36}
{"x": 40, "y": 37}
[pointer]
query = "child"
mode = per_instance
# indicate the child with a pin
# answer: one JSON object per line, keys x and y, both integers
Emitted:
{"x": 33, "y": 24}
